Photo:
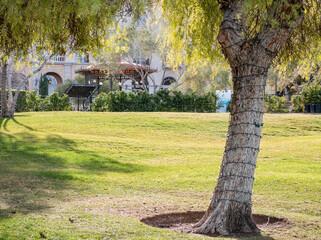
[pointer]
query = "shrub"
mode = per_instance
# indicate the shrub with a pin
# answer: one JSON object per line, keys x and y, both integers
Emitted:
{"x": 51, "y": 103}
{"x": 21, "y": 101}
{"x": 297, "y": 104}
{"x": 275, "y": 104}
{"x": 161, "y": 101}
{"x": 100, "y": 103}
{"x": 43, "y": 86}
{"x": 228, "y": 107}
{"x": 312, "y": 94}
{"x": 33, "y": 101}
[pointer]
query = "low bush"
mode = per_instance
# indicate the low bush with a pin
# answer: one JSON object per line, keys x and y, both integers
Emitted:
{"x": 161, "y": 101}
{"x": 275, "y": 104}
{"x": 312, "y": 94}
{"x": 297, "y": 103}
{"x": 99, "y": 105}
{"x": 50, "y": 103}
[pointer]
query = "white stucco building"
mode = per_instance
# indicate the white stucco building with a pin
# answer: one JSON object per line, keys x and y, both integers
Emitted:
{"x": 60, "y": 68}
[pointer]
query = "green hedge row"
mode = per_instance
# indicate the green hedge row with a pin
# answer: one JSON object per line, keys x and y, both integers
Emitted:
{"x": 272, "y": 104}
{"x": 30, "y": 101}
{"x": 161, "y": 101}
{"x": 310, "y": 94}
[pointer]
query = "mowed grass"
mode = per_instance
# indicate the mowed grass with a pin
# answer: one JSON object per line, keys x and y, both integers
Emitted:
{"x": 70, "y": 175}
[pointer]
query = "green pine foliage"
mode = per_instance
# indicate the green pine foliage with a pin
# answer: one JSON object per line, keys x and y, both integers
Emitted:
{"x": 161, "y": 101}
{"x": 43, "y": 86}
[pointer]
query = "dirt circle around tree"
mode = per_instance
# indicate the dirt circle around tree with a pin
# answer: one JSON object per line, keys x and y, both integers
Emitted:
{"x": 184, "y": 221}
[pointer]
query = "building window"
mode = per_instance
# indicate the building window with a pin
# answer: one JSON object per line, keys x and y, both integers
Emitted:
{"x": 82, "y": 57}
{"x": 142, "y": 61}
{"x": 168, "y": 81}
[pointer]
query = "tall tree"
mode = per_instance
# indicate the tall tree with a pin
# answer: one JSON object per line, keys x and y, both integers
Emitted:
{"x": 13, "y": 75}
{"x": 55, "y": 24}
{"x": 251, "y": 35}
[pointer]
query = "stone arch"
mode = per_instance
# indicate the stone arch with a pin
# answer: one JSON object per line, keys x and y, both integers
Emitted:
{"x": 55, "y": 81}
{"x": 168, "y": 80}
{"x": 56, "y": 76}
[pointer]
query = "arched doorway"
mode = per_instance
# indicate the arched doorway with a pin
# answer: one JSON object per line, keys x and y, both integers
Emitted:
{"x": 167, "y": 81}
{"x": 54, "y": 80}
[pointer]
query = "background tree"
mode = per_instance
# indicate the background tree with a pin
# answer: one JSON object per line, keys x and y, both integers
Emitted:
{"x": 16, "y": 76}
{"x": 43, "y": 86}
{"x": 78, "y": 79}
{"x": 292, "y": 78}
{"x": 208, "y": 78}
{"x": 132, "y": 42}
{"x": 251, "y": 35}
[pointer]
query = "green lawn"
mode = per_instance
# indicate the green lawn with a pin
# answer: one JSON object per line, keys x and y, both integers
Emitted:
{"x": 105, "y": 171}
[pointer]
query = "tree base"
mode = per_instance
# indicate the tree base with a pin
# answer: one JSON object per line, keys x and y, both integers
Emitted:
{"x": 7, "y": 115}
{"x": 227, "y": 218}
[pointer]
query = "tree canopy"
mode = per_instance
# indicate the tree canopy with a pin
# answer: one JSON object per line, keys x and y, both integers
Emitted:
{"x": 54, "y": 24}
{"x": 194, "y": 26}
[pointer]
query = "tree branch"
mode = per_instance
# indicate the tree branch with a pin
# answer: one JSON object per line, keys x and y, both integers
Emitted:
{"x": 40, "y": 67}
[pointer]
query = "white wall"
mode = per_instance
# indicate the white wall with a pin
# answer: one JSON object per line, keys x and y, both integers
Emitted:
{"x": 224, "y": 99}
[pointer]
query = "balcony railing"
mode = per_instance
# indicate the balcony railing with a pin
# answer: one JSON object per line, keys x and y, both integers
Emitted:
{"x": 58, "y": 58}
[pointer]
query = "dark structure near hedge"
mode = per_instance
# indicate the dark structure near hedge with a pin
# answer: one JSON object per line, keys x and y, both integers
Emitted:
{"x": 312, "y": 108}
{"x": 312, "y": 98}
{"x": 85, "y": 91}
{"x": 96, "y": 74}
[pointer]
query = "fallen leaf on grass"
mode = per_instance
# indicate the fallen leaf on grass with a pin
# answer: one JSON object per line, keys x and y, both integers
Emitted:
{"x": 42, "y": 235}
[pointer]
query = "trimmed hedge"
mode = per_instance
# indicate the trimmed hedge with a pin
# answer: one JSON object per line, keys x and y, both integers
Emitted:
{"x": 161, "y": 101}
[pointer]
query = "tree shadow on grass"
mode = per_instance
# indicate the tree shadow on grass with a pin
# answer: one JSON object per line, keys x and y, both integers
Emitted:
{"x": 36, "y": 170}
{"x": 23, "y": 125}
{"x": 4, "y": 123}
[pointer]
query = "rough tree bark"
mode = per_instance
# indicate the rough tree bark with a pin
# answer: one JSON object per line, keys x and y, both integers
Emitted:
{"x": 4, "y": 104}
{"x": 230, "y": 208}
{"x": 11, "y": 100}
